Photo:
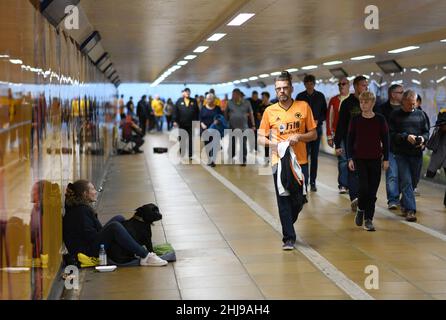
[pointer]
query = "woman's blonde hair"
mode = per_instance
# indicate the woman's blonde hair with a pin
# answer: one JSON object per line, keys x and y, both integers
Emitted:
{"x": 367, "y": 95}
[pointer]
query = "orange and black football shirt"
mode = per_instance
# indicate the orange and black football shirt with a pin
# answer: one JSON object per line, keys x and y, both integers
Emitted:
{"x": 281, "y": 124}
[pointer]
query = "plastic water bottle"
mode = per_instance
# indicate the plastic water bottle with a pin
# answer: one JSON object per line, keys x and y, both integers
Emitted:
{"x": 21, "y": 257}
{"x": 102, "y": 256}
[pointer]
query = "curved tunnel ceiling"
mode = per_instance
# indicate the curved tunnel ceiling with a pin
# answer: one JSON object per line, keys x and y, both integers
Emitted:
{"x": 146, "y": 37}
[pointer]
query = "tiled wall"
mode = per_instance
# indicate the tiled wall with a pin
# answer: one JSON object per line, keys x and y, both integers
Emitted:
{"x": 56, "y": 124}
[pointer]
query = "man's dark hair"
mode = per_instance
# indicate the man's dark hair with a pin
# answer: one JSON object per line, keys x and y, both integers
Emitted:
{"x": 255, "y": 92}
{"x": 122, "y": 96}
{"x": 419, "y": 98}
{"x": 266, "y": 93}
{"x": 285, "y": 76}
{"x": 131, "y": 98}
{"x": 358, "y": 79}
{"x": 309, "y": 78}
{"x": 143, "y": 97}
{"x": 392, "y": 88}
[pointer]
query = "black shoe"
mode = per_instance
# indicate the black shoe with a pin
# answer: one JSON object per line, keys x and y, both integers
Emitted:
{"x": 313, "y": 188}
{"x": 138, "y": 150}
{"x": 211, "y": 165}
{"x": 359, "y": 218}
{"x": 411, "y": 216}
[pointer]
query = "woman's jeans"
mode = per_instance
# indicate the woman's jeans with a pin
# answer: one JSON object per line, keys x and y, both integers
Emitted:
{"x": 114, "y": 233}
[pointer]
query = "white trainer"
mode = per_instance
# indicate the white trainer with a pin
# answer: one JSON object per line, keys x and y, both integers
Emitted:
{"x": 152, "y": 260}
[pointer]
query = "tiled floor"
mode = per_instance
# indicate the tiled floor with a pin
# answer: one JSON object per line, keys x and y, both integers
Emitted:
{"x": 225, "y": 250}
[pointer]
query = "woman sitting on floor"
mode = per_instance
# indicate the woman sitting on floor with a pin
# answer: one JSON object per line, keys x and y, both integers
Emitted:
{"x": 83, "y": 233}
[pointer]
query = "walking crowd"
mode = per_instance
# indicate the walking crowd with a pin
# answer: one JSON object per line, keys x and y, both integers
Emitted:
{"x": 366, "y": 137}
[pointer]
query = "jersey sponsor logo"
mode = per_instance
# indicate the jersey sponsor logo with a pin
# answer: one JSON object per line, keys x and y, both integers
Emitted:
{"x": 293, "y": 125}
{"x": 298, "y": 115}
{"x": 282, "y": 128}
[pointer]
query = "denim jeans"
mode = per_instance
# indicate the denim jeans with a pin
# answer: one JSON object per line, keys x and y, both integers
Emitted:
{"x": 159, "y": 123}
{"x": 407, "y": 170}
{"x": 392, "y": 181}
{"x": 313, "y": 153}
{"x": 287, "y": 212}
{"x": 113, "y": 233}
{"x": 343, "y": 168}
{"x": 417, "y": 177}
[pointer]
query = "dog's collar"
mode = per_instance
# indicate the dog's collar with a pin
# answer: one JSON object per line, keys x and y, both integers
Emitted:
{"x": 138, "y": 218}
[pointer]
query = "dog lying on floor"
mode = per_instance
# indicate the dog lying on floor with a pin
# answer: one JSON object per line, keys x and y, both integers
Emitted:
{"x": 139, "y": 227}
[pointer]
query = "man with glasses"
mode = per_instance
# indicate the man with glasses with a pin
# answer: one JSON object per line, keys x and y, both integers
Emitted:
{"x": 350, "y": 107}
{"x": 332, "y": 121}
{"x": 287, "y": 120}
{"x": 395, "y": 94}
{"x": 318, "y": 105}
{"x": 408, "y": 132}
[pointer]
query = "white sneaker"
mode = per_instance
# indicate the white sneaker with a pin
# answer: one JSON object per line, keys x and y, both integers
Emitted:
{"x": 152, "y": 260}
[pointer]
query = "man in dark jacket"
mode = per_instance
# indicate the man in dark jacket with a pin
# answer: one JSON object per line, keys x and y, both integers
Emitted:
{"x": 318, "y": 105}
{"x": 142, "y": 113}
{"x": 395, "y": 94}
{"x": 350, "y": 107}
{"x": 184, "y": 113}
{"x": 408, "y": 132}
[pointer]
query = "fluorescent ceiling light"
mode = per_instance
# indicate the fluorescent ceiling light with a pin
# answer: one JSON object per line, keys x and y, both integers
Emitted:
{"x": 264, "y": 75}
{"x": 332, "y": 63}
{"x": 403, "y": 49}
{"x": 253, "y": 78}
{"x": 237, "y": 81}
{"x": 292, "y": 70}
{"x": 441, "y": 79}
{"x": 416, "y": 82}
{"x": 201, "y": 49}
{"x": 444, "y": 40}
{"x": 362, "y": 57}
{"x": 244, "y": 80}
{"x": 15, "y": 61}
{"x": 277, "y": 73}
{"x": 216, "y": 36}
{"x": 419, "y": 71}
{"x": 4, "y": 56}
{"x": 182, "y": 62}
{"x": 241, "y": 19}
{"x": 309, "y": 67}
{"x": 190, "y": 57}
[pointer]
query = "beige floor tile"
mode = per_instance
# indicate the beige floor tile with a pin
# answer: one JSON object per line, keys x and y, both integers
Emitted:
{"x": 228, "y": 269}
{"x": 209, "y": 244}
{"x": 297, "y": 292}
{"x": 432, "y": 287}
{"x": 223, "y": 293}
{"x": 197, "y": 282}
{"x": 300, "y": 279}
{"x": 280, "y": 267}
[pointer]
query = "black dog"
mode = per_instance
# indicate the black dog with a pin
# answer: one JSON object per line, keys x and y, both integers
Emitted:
{"x": 139, "y": 227}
